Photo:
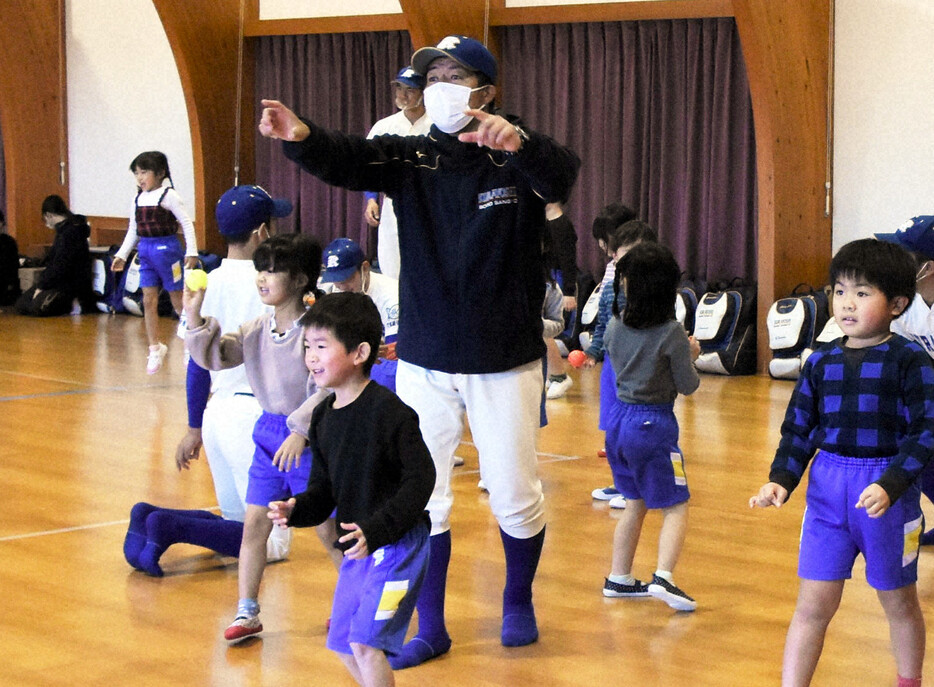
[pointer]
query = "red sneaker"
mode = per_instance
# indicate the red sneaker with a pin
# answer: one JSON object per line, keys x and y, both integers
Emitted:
{"x": 243, "y": 627}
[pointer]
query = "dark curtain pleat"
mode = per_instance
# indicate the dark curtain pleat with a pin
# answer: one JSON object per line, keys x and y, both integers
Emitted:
{"x": 660, "y": 113}
{"x": 340, "y": 81}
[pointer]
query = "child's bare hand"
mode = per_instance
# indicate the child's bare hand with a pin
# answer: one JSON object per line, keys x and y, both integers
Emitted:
{"x": 289, "y": 454}
{"x": 192, "y": 262}
{"x": 359, "y": 550}
{"x": 589, "y": 363}
{"x": 695, "y": 347}
{"x": 117, "y": 265}
{"x": 388, "y": 351}
{"x": 280, "y": 512}
{"x": 875, "y": 500}
{"x": 191, "y": 303}
{"x": 188, "y": 448}
{"x": 770, "y": 494}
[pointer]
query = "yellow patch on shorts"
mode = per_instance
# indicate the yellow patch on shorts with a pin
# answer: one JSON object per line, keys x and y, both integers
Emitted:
{"x": 912, "y": 540}
{"x": 677, "y": 464}
{"x": 393, "y": 593}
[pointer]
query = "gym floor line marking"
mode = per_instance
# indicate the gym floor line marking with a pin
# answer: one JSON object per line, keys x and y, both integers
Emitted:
{"x": 85, "y": 390}
{"x": 550, "y": 458}
{"x": 77, "y": 528}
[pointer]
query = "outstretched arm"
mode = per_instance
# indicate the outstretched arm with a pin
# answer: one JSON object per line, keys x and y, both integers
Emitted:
{"x": 494, "y": 132}
{"x": 278, "y": 121}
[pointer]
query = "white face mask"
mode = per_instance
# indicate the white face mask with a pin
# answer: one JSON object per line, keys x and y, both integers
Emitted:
{"x": 445, "y": 104}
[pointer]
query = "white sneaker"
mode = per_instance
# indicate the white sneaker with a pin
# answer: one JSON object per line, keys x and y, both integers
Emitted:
{"x": 156, "y": 357}
{"x": 584, "y": 339}
{"x": 481, "y": 485}
{"x": 278, "y": 544}
{"x": 618, "y": 501}
{"x": 604, "y": 493}
{"x": 558, "y": 389}
{"x": 458, "y": 461}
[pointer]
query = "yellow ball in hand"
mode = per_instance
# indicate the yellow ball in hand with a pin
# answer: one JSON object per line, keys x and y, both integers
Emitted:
{"x": 196, "y": 280}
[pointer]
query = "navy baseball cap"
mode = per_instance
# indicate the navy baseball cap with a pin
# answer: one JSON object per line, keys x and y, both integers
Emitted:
{"x": 342, "y": 258}
{"x": 917, "y": 235}
{"x": 411, "y": 78}
{"x": 243, "y": 208}
{"x": 469, "y": 52}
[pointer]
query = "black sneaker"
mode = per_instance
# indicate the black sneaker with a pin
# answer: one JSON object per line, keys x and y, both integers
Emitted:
{"x": 616, "y": 590}
{"x": 662, "y": 589}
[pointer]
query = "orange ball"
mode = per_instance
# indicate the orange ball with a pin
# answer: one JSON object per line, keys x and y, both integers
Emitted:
{"x": 577, "y": 358}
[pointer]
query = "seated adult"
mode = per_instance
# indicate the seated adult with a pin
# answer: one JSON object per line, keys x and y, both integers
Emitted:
{"x": 9, "y": 265}
{"x": 67, "y": 273}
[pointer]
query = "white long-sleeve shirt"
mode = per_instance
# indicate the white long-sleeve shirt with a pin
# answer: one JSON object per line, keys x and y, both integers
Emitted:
{"x": 174, "y": 204}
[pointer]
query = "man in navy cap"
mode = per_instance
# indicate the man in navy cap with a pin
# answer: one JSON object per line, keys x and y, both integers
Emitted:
{"x": 410, "y": 120}
{"x": 917, "y": 322}
{"x": 470, "y": 199}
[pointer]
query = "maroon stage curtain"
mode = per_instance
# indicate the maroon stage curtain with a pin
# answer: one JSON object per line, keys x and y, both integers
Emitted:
{"x": 340, "y": 81}
{"x": 659, "y": 112}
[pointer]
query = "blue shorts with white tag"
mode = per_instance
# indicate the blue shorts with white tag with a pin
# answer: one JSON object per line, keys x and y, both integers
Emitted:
{"x": 375, "y": 597}
{"x": 834, "y": 531}
{"x": 642, "y": 449}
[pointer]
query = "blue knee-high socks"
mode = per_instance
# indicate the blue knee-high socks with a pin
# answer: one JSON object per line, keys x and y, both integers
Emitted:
{"x": 164, "y": 528}
{"x": 432, "y": 639}
{"x": 136, "y": 536}
{"x": 522, "y": 556}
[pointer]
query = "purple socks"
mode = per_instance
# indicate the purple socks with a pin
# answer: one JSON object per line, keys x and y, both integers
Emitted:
{"x": 432, "y": 639}
{"x": 522, "y": 556}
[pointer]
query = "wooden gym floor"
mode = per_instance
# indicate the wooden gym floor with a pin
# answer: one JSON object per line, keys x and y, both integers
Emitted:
{"x": 85, "y": 434}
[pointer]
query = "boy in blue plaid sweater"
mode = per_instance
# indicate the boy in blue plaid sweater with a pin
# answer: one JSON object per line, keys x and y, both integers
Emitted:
{"x": 865, "y": 404}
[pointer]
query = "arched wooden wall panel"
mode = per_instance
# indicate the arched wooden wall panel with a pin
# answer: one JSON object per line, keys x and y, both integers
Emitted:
{"x": 204, "y": 36}
{"x": 31, "y": 114}
{"x": 786, "y": 47}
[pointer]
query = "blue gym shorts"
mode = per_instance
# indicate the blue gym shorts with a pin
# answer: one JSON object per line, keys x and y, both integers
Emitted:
{"x": 642, "y": 449}
{"x": 383, "y": 373}
{"x": 161, "y": 260}
{"x": 834, "y": 531}
{"x": 375, "y": 597}
{"x": 607, "y": 392}
{"x": 266, "y": 482}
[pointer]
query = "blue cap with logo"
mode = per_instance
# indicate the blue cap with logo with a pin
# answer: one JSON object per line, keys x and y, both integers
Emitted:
{"x": 469, "y": 52}
{"x": 243, "y": 208}
{"x": 342, "y": 258}
{"x": 411, "y": 78}
{"x": 917, "y": 235}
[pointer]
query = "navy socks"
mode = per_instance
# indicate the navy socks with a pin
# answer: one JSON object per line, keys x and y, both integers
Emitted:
{"x": 522, "y": 556}
{"x": 152, "y": 530}
{"x": 135, "y": 538}
{"x": 432, "y": 639}
{"x": 164, "y": 528}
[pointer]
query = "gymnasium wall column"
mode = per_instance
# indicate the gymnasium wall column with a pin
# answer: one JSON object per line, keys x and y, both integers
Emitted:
{"x": 786, "y": 46}
{"x": 32, "y": 107}
{"x": 204, "y": 35}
